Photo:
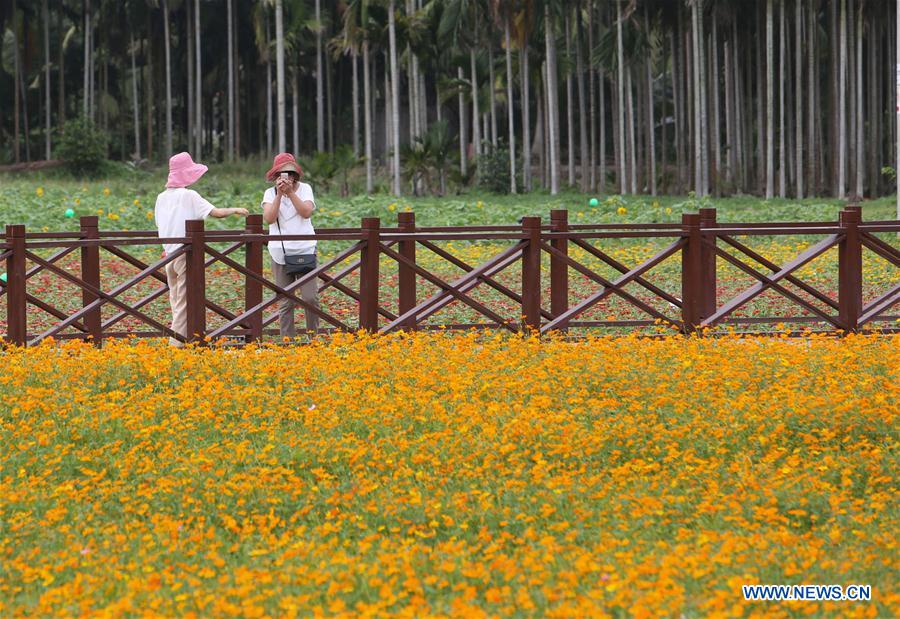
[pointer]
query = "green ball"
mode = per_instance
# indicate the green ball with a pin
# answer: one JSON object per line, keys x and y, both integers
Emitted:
{"x": 3, "y": 277}
{"x": 594, "y": 202}
{"x": 70, "y": 213}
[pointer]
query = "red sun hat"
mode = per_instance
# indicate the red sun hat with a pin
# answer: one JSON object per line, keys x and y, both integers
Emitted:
{"x": 183, "y": 171}
{"x": 283, "y": 162}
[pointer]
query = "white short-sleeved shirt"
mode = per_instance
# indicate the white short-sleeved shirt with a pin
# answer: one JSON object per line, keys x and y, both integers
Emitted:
{"x": 173, "y": 208}
{"x": 291, "y": 223}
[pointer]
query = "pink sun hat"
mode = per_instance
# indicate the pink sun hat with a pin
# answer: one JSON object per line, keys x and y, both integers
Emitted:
{"x": 183, "y": 171}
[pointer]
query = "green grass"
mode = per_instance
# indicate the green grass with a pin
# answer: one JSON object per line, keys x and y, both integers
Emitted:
{"x": 240, "y": 185}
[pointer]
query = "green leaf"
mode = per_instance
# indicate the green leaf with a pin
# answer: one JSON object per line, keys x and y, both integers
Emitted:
{"x": 8, "y": 59}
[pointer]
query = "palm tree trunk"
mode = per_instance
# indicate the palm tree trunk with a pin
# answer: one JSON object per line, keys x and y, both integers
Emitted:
{"x": 476, "y": 116}
{"x": 678, "y": 104}
{"x": 295, "y": 108}
{"x": 189, "y": 35}
{"x": 134, "y": 100}
{"x": 231, "y": 124}
{"x": 842, "y": 104}
{"x": 632, "y": 150}
{"x": 651, "y": 133}
{"x": 874, "y": 134}
{"x": 699, "y": 93}
{"x": 61, "y": 111}
{"x": 388, "y": 131}
{"x": 148, "y": 54}
{"x": 491, "y": 93}
{"x": 716, "y": 120}
{"x": 582, "y": 111}
{"x": 16, "y": 78}
{"x": 761, "y": 100}
{"x": 729, "y": 115}
{"x": 526, "y": 119}
{"x": 570, "y": 108}
{"x": 552, "y": 102}
{"x": 279, "y": 75}
{"x": 320, "y": 101}
{"x": 87, "y": 64}
{"x": 463, "y": 143}
{"x": 46, "y": 17}
{"x": 354, "y": 104}
{"x": 770, "y": 137}
{"x": 510, "y": 108}
{"x": 620, "y": 85}
{"x": 395, "y": 97}
{"x": 411, "y": 86}
{"x": 811, "y": 103}
{"x": 601, "y": 83}
{"x": 167, "y": 45}
{"x": 237, "y": 92}
{"x": 798, "y": 100}
{"x": 367, "y": 117}
{"x": 329, "y": 103}
{"x": 198, "y": 97}
{"x": 592, "y": 100}
{"x": 860, "y": 170}
{"x": 782, "y": 62}
{"x": 268, "y": 91}
{"x": 851, "y": 94}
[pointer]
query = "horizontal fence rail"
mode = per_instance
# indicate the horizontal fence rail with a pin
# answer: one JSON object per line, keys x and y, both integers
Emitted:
{"x": 533, "y": 271}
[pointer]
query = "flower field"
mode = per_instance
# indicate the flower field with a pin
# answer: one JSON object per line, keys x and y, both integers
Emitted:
{"x": 436, "y": 475}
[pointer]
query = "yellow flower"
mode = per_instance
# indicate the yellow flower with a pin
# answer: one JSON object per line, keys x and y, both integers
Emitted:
{"x": 40, "y": 192}
{"x": 113, "y": 215}
{"x": 392, "y": 207}
{"x": 106, "y": 191}
{"x": 137, "y": 202}
{"x": 621, "y": 210}
{"x": 84, "y": 188}
{"x": 668, "y": 211}
{"x": 656, "y": 204}
{"x": 480, "y": 204}
{"x": 150, "y": 215}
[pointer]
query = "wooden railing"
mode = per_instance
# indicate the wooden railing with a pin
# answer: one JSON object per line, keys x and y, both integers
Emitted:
{"x": 702, "y": 244}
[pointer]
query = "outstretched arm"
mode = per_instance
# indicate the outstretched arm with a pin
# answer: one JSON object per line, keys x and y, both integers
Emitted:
{"x": 225, "y": 212}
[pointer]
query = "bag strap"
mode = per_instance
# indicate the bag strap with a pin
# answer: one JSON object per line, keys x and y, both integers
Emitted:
{"x": 278, "y": 223}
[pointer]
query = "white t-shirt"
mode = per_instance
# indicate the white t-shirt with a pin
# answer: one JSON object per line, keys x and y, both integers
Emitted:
{"x": 291, "y": 223}
{"x": 173, "y": 208}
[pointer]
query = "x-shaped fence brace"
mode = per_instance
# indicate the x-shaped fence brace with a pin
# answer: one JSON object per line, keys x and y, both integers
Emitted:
{"x": 772, "y": 281}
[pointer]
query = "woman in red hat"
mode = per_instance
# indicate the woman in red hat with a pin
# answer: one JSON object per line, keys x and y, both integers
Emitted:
{"x": 287, "y": 208}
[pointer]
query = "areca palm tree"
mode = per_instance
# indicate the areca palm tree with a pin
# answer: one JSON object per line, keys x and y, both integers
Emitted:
{"x": 395, "y": 97}
{"x": 279, "y": 73}
{"x": 502, "y": 11}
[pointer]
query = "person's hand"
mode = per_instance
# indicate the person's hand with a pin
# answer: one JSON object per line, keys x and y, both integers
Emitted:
{"x": 240, "y": 211}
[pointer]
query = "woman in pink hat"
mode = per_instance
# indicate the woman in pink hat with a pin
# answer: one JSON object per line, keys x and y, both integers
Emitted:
{"x": 174, "y": 206}
{"x": 287, "y": 208}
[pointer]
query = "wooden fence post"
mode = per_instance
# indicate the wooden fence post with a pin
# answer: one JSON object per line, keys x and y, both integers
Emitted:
{"x": 850, "y": 269}
{"x": 406, "y": 275}
{"x": 253, "y": 290}
{"x": 90, "y": 273}
{"x": 16, "y": 312}
{"x": 708, "y": 259}
{"x": 691, "y": 273}
{"x": 195, "y": 281}
{"x": 531, "y": 274}
{"x": 559, "y": 270}
{"x": 368, "y": 274}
